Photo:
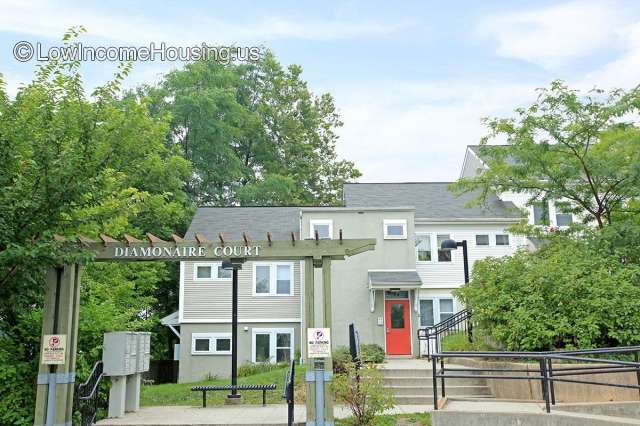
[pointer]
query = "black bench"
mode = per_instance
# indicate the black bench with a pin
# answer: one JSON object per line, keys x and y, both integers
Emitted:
{"x": 205, "y": 389}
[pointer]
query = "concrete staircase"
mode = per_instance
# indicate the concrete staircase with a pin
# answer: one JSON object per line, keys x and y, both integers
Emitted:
{"x": 411, "y": 382}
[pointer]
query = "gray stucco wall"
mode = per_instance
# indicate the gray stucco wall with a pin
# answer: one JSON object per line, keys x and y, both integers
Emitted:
{"x": 350, "y": 293}
{"x": 201, "y": 367}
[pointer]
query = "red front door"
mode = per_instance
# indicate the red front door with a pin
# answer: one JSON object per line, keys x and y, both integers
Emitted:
{"x": 398, "y": 326}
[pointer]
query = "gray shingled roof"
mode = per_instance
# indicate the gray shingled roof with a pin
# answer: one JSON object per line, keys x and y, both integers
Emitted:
{"x": 432, "y": 200}
{"x": 384, "y": 279}
{"x": 255, "y": 221}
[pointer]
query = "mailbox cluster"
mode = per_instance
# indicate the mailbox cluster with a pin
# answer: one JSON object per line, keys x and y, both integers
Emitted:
{"x": 126, "y": 356}
{"x": 126, "y": 352}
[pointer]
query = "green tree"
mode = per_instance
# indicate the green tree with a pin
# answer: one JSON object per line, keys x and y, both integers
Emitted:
{"x": 576, "y": 291}
{"x": 73, "y": 163}
{"x": 254, "y": 133}
{"x": 584, "y": 149}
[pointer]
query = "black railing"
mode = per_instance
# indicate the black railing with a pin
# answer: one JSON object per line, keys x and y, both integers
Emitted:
{"x": 89, "y": 399}
{"x": 289, "y": 391}
{"x": 430, "y": 338}
{"x": 547, "y": 373}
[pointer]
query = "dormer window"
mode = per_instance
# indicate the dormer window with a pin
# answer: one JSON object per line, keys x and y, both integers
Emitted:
{"x": 395, "y": 229}
{"x": 324, "y": 227}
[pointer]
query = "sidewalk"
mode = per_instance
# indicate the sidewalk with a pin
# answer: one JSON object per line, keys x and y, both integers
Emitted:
{"x": 272, "y": 414}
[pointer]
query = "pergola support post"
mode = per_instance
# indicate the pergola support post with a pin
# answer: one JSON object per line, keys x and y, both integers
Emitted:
{"x": 54, "y": 396}
{"x": 327, "y": 313}
{"x": 309, "y": 319}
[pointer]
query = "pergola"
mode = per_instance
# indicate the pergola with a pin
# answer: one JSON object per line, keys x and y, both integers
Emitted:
{"x": 54, "y": 399}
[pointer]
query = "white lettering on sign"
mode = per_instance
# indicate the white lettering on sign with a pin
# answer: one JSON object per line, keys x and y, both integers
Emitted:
{"x": 187, "y": 251}
{"x": 318, "y": 343}
{"x": 54, "y": 348}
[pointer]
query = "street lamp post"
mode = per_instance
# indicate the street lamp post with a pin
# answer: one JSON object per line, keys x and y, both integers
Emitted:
{"x": 234, "y": 265}
{"x": 453, "y": 245}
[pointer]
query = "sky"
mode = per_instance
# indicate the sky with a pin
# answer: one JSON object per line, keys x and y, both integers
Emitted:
{"x": 411, "y": 80}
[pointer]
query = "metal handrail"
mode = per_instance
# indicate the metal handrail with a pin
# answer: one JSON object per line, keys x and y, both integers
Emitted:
{"x": 547, "y": 374}
{"x": 460, "y": 321}
{"x": 89, "y": 402}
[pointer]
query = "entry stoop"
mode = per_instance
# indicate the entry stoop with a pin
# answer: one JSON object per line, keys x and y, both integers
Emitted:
{"x": 411, "y": 382}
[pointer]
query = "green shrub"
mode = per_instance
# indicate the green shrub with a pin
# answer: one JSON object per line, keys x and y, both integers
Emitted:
{"x": 341, "y": 358}
{"x": 363, "y": 392}
{"x": 369, "y": 353}
{"x": 251, "y": 369}
{"x": 574, "y": 292}
{"x": 372, "y": 353}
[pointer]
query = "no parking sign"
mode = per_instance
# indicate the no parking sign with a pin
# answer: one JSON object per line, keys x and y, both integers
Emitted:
{"x": 319, "y": 342}
{"x": 54, "y": 348}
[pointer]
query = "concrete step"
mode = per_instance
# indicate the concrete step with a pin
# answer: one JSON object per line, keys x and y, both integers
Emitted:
{"x": 428, "y": 400}
{"x": 450, "y": 390}
{"x": 406, "y": 372}
{"x": 426, "y": 381}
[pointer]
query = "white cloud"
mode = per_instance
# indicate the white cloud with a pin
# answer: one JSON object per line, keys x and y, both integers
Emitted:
{"x": 554, "y": 36}
{"x": 419, "y": 131}
{"x": 623, "y": 71}
{"x": 40, "y": 18}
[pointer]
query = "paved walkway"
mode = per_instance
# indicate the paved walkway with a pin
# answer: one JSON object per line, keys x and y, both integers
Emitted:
{"x": 272, "y": 414}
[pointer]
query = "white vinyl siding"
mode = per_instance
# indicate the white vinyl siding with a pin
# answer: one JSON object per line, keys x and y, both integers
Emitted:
{"x": 436, "y": 274}
{"x": 210, "y": 301}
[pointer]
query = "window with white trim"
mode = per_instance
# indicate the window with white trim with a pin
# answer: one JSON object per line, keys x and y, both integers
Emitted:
{"x": 324, "y": 228}
{"x": 482, "y": 239}
{"x": 423, "y": 247}
{"x": 446, "y": 308}
{"x": 426, "y": 313}
{"x": 211, "y": 272}
{"x": 273, "y": 279}
{"x": 443, "y": 255}
{"x": 541, "y": 213}
{"x": 563, "y": 214}
{"x": 272, "y": 345}
{"x": 211, "y": 343}
{"x": 502, "y": 239}
{"x": 395, "y": 229}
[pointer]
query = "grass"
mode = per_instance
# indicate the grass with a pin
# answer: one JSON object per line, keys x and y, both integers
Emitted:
{"x": 459, "y": 342}
{"x": 181, "y": 393}
{"x": 413, "y": 419}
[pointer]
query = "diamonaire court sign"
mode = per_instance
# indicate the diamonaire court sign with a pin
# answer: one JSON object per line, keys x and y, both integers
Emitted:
{"x": 186, "y": 251}
{"x": 319, "y": 343}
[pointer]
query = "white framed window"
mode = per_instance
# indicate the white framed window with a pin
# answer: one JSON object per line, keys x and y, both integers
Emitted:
{"x": 211, "y": 344}
{"x": 443, "y": 255}
{"x": 427, "y": 313}
{"x": 272, "y": 345}
{"x": 273, "y": 278}
{"x": 482, "y": 239}
{"x": 423, "y": 247}
{"x": 324, "y": 228}
{"x": 446, "y": 308}
{"x": 563, "y": 214}
{"x": 395, "y": 229}
{"x": 211, "y": 271}
{"x": 436, "y": 309}
{"x": 541, "y": 213}
{"x": 502, "y": 239}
